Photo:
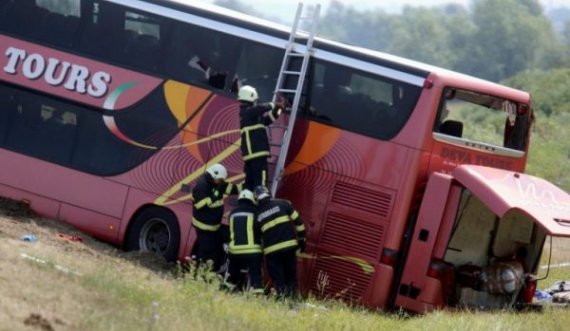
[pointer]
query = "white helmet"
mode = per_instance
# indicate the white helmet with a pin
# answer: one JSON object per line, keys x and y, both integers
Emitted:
{"x": 218, "y": 171}
{"x": 247, "y": 93}
{"x": 246, "y": 195}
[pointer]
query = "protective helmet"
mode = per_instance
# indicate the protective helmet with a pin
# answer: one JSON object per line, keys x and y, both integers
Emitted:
{"x": 246, "y": 195}
{"x": 261, "y": 192}
{"x": 247, "y": 93}
{"x": 218, "y": 171}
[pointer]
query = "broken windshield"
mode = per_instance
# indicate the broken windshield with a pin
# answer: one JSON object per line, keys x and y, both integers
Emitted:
{"x": 484, "y": 119}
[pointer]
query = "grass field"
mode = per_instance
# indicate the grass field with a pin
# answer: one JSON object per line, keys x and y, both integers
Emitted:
{"x": 61, "y": 284}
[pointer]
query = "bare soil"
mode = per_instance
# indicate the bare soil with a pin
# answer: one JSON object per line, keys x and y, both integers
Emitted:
{"x": 40, "y": 283}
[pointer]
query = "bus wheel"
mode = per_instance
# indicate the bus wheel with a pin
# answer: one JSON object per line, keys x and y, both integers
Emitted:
{"x": 155, "y": 230}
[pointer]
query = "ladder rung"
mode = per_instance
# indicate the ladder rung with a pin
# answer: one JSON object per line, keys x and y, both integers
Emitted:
{"x": 286, "y": 90}
{"x": 292, "y": 72}
{"x": 295, "y": 54}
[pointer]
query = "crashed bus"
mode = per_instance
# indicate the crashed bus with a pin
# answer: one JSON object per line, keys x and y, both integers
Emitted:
{"x": 111, "y": 109}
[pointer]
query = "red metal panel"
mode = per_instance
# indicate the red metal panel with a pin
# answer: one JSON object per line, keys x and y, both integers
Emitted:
{"x": 425, "y": 235}
{"x": 62, "y": 184}
{"x": 506, "y": 191}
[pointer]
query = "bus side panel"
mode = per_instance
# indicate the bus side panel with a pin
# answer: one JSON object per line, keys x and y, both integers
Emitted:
{"x": 62, "y": 184}
{"x": 43, "y": 206}
{"x": 100, "y": 226}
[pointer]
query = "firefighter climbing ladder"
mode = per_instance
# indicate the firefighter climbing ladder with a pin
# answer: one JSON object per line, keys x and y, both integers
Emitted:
{"x": 291, "y": 52}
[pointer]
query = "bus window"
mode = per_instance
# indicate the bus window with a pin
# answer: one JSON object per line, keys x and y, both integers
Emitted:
{"x": 142, "y": 42}
{"x": 358, "y": 101}
{"x": 78, "y": 138}
{"x": 258, "y": 66}
{"x": 103, "y": 34}
{"x": 202, "y": 57}
{"x": 483, "y": 118}
{"x": 44, "y": 129}
{"x": 60, "y": 23}
{"x": 124, "y": 36}
{"x": 22, "y": 17}
{"x": 9, "y": 102}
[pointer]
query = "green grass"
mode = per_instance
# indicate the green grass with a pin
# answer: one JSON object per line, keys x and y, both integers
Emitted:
{"x": 136, "y": 299}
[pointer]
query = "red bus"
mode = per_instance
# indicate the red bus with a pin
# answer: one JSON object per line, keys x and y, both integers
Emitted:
{"x": 410, "y": 178}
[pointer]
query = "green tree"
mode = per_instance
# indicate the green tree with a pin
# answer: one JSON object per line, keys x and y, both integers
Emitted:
{"x": 346, "y": 24}
{"x": 549, "y": 90}
{"x": 419, "y": 34}
{"x": 511, "y": 37}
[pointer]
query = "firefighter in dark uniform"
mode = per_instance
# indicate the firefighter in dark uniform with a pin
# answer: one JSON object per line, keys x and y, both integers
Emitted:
{"x": 207, "y": 212}
{"x": 254, "y": 118}
{"x": 245, "y": 246}
{"x": 282, "y": 232}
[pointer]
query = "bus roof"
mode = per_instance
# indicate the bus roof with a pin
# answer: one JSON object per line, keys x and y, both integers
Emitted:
{"x": 416, "y": 71}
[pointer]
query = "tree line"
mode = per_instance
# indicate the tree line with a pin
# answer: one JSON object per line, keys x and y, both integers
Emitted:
{"x": 492, "y": 39}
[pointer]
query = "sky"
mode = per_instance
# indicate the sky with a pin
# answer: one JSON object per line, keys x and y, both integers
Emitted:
{"x": 285, "y": 9}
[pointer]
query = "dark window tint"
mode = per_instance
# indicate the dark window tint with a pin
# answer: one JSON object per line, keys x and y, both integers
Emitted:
{"x": 61, "y": 22}
{"x": 259, "y": 66}
{"x": 54, "y": 22}
{"x": 131, "y": 38}
{"x": 8, "y": 107}
{"x": 203, "y": 57}
{"x": 359, "y": 102}
{"x": 78, "y": 138}
{"x": 22, "y": 17}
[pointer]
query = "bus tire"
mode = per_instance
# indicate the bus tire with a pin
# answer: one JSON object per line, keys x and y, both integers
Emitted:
{"x": 154, "y": 229}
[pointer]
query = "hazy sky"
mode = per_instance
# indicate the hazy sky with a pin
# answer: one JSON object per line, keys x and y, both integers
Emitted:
{"x": 285, "y": 9}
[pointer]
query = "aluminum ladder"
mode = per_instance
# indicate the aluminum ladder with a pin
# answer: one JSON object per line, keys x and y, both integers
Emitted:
{"x": 292, "y": 51}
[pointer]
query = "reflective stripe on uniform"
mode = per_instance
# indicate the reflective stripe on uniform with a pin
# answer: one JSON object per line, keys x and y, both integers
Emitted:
{"x": 271, "y": 117}
{"x": 295, "y": 215}
{"x": 249, "y": 227}
{"x": 251, "y": 246}
{"x": 203, "y": 202}
{"x": 263, "y": 177}
{"x": 245, "y": 249}
{"x": 229, "y": 189}
{"x": 280, "y": 246}
{"x": 255, "y": 155}
{"x": 300, "y": 228}
{"x": 252, "y": 127}
{"x": 277, "y": 221}
{"x": 204, "y": 226}
{"x": 217, "y": 203}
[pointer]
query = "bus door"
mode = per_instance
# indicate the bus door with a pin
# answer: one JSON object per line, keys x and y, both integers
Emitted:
{"x": 470, "y": 223}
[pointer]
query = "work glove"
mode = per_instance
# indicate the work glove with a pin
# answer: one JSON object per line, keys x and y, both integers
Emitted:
{"x": 281, "y": 102}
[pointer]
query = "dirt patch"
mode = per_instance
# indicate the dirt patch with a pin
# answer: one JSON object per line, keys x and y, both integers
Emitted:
{"x": 149, "y": 260}
{"x": 36, "y": 320}
{"x": 42, "y": 281}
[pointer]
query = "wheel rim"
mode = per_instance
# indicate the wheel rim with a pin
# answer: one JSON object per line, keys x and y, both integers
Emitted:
{"x": 155, "y": 236}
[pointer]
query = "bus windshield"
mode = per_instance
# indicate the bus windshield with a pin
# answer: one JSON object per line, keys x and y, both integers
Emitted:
{"x": 482, "y": 118}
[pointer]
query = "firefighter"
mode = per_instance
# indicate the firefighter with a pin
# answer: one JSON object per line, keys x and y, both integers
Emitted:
{"x": 283, "y": 233}
{"x": 254, "y": 117}
{"x": 207, "y": 212}
{"x": 245, "y": 246}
